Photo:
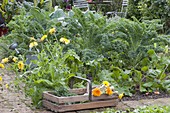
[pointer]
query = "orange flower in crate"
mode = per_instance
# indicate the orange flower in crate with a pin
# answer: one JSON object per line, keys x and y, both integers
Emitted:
{"x": 109, "y": 91}
{"x": 96, "y": 92}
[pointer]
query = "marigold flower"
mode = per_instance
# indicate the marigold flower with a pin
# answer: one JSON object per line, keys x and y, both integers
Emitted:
{"x": 5, "y": 60}
{"x": 20, "y": 65}
{"x": 14, "y": 59}
{"x": 2, "y": 65}
{"x": 106, "y": 83}
{"x": 43, "y": 37}
{"x": 1, "y": 78}
{"x": 64, "y": 40}
{"x": 109, "y": 91}
{"x": 121, "y": 95}
{"x": 96, "y": 92}
{"x": 52, "y": 30}
{"x": 32, "y": 44}
{"x": 7, "y": 86}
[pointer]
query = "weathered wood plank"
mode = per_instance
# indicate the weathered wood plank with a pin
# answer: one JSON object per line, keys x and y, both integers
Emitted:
{"x": 59, "y": 100}
{"x": 50, "y": 106}
{"x": 73, "y": 107}
{"x": 78, "y": 91}
{"x": 105, "y": 97}
{"x": 50, "y": 97}
{"x": 78, "y": 98}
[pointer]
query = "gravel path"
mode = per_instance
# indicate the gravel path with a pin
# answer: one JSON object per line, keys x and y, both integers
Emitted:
{"x": 13, "y": 100}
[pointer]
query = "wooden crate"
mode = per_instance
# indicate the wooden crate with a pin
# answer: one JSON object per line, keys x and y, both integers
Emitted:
{"x": 78, "y": 102}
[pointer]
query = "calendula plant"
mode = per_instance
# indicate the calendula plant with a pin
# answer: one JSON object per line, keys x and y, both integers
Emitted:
{"x": 54, "y": 68}
{"x": 31, "y": 27}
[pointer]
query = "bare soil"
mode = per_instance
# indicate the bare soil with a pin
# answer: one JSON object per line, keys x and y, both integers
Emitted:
{"x": 140, "y": 96}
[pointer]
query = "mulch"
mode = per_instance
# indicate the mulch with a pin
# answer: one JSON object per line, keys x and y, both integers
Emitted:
{"x": 146, "y": 96}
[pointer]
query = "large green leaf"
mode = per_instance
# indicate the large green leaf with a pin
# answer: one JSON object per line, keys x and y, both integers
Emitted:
{"x": 58, "y": 13}
{"x": 148, "y": 84}
{"x": 44, "y": 81}
{"x": 36, "y": 12}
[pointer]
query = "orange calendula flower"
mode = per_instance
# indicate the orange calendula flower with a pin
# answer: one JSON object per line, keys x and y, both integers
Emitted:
{"x": 121, "y": 95}
{"x": 64, "y": 40}
{"x": 20, "y": 65}
{"x": 43, "y": 37}
{"x": 5, "y": 60}
{"x": 32, "y": 44}
{"x": 52, "y": 30}
{"x": 106, "y": 83}
{"x": 2, "y": 65}
{"x": 96, "y": 92}
{"x": 109, "y": 91}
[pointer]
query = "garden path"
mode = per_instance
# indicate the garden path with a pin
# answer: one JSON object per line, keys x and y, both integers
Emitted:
{"x": 14, "y": 101}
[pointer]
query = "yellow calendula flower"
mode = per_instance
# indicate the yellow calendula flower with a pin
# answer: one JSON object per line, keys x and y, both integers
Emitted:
{"x": 64, "y": 40}
{"x": 121, "y": 95}
{"x": 109, "y": 91}
{"x": 2, "y": 65}
{"x": 96, "y": 92}
{"x": 52, "y": 30}
{"x": 32, "y": 44}
{"x": 15, "y": 59}
{"x": 106, "y": 83}
{"x": 1, "y": 78}
{"x": 20, "y": 65}
{"x": 7, "y": 86}
{"x": 43, "y": 37}
{"x": 5, "y": 60}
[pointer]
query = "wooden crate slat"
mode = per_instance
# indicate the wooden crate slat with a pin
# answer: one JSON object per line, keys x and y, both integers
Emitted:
{"x": 88, "y": 105}
{"x": 78, "y": 91}
{"x": 51, "y": 97}
{"x": 50, "y": 106}
{"x": 105, "y": 97}
{"x": 59, "y": 100}
{"x": 73, "y": 107}
{"x": 80, "y": 98}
